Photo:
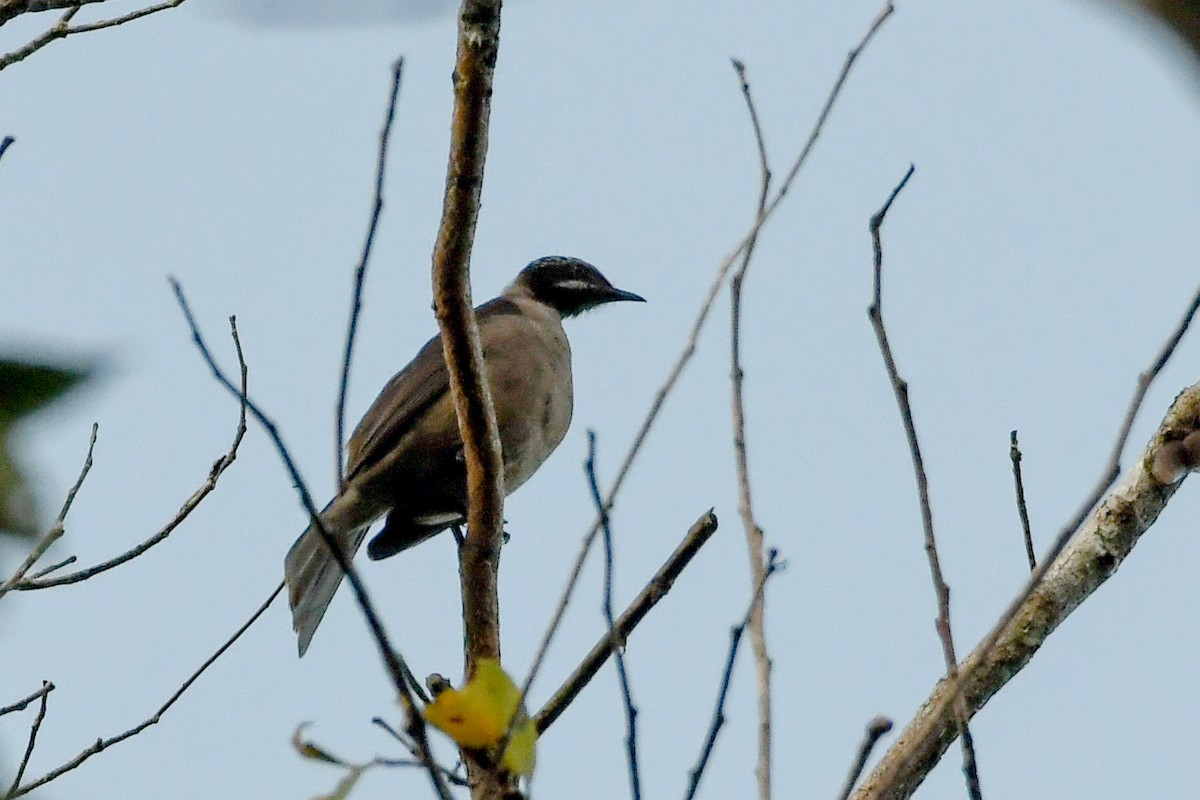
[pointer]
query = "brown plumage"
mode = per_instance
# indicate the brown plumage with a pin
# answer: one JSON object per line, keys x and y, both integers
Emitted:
{"x": 405, "y": 459}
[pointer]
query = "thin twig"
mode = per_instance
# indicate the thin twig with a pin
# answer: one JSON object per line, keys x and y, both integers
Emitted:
{"x": 210, "y": 483}
{"x": 656, "y": 589}
{"x": 876, "y": 728}
{"x": 689, "y": 347}
{"x": 56, "y": 530}
{"x": 754, "y": 534}
{"x": 735, "y": 639}
{"x": 44, "y": 571}
{"x": 360, "y": 273}
{"x": 130, "y": 17}
{"x": 103, "y": 744}
{"x": 1014, "y": 454}
{"x": 900, "y": 389}
{"x": 616, "y": 642}
{"x": 33, "y": 733}
{"x": 5, "y": 143}
{"x": 393, "y": 662}
{"x": 61, "y": 29}
{"x": 24, "y": 702}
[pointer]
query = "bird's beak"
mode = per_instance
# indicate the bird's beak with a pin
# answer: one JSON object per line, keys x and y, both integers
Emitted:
{"x": 620, "y": 294}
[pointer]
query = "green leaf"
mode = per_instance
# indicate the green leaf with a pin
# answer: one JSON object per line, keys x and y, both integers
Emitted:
{"x": 24, "y": 389}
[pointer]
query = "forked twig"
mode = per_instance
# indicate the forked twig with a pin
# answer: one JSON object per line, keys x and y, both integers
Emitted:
{"x": 24, "y": 702}
{"x": 210, "y": 483}
{"x": 103, "y": 744}
{"x": 33, "y": 734}
{"x": 56, "y": 530}
{"x": 62, "y": 29}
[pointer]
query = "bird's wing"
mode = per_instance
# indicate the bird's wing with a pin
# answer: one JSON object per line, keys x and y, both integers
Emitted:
{"x": 406, "y": 397}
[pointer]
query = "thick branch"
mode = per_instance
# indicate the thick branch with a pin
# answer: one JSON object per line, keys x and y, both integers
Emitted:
{"x": 755, "y": 622}
{"x": 1087, "y": 561}
{"x": 478, "y": 43}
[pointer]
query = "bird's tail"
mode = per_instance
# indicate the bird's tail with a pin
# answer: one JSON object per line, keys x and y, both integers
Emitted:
{"x": 312, "y": 573}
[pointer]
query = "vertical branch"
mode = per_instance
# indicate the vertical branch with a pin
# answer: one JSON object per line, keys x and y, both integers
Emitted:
{"x": 754, "y": 534}
{"x": 1014, "y": 453}
{"x": 616, "y": 640}
{"x": 479, "y": 558}
{"x": 360, "y": 273}
{"x": 900, "y": 389}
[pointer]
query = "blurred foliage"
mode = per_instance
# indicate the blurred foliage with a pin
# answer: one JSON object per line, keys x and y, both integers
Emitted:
{"x": 1182, "y": 16}
{"x": 24, "y": 389}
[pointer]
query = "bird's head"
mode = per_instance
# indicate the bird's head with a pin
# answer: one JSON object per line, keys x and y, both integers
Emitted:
{"x": 569, "y": 285}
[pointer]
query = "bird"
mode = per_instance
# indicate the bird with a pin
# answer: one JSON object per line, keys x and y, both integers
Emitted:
{"x": 405, "y": 458}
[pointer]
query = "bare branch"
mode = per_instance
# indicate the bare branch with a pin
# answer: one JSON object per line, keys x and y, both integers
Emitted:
{"x": 735, "y": 639}
{"x": 754, "y": 535}
{"x": 56, "y": 530}
{"x": 24, "y": 702}
{"x": 210, "y": 483}
{"x": 61, "y": 29}
{"x": 876, "y": 728}
{"x": 478, "y": 45}
{"x": 103, "y": 744}
{"x": 689, "y": 347}
{"x": 393, "y": 662}
{"x": 360, "y": 273}
{"x": 655, "y": 590}
{"x": 5, "y": 143}
{"x": 1014, "y": 454}
{"x": 1074, "y": 567}
{"x": 33, "y": 733}
{"x": 616, "y": 643}
{"x": 900, "y": 389}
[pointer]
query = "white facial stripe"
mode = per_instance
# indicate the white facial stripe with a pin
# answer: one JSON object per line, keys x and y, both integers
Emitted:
{"x": 574, "y": 284}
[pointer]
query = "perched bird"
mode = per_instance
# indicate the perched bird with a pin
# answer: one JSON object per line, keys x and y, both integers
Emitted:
{"x": 405, "y": 458}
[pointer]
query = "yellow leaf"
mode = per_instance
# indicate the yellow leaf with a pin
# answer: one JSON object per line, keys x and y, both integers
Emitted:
{"x": 478, "y": 716}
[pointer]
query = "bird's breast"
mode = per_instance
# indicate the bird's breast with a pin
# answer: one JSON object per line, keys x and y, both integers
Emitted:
{"x": 529, "y": 369}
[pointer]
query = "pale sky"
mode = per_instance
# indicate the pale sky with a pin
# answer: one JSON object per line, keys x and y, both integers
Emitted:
{"x": 1034, "y": 265}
